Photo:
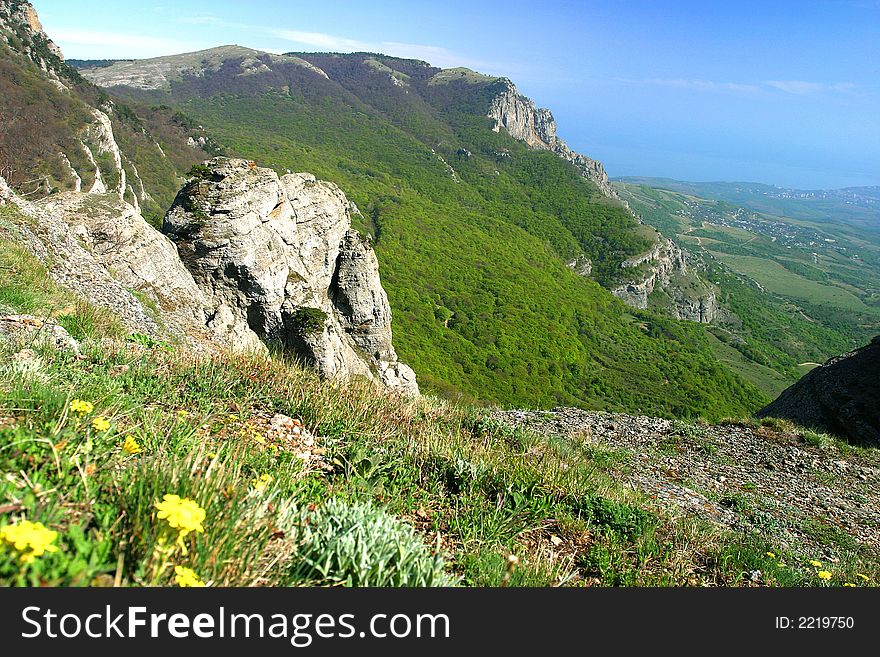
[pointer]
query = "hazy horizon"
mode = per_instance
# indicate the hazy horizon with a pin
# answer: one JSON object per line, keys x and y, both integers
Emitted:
{"x": 785, "y": 95}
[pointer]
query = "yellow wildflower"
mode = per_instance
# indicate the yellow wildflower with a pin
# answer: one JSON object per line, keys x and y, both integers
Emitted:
{"x": 211, "y": 455}
{"x": 864, "y": 578}
{"x": 81, "y": 407}
{"x": 815, "y": 564}
{"x": 181, "y": 514}
{"x": 31, "y": 539}
{"x": 131, "y": 446}
{"x": 771, "y": 555}
{"x": 184, "y": 577}
{"x": 824, "y": 575}
{"x": 100, "y": 423}
{"x": 849, "y": 584}
{"x": 261, "y": 482}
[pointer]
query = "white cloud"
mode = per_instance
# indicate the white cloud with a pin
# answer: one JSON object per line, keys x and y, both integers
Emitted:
{"x": 802, "y": 87}
{"x": 798, "y": 87}
{"x": 320, "y": 40}
{"x": 704, "y": 85}
{"x": 91, "y": 44}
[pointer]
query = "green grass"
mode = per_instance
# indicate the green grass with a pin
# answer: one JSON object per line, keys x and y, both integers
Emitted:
{"x": 764, "y": 378}
{"x": 779, "y": 280}
{"x": 26, "y": 288}
{"x": 466, "y": 489}
{"x": 460, "y": 491}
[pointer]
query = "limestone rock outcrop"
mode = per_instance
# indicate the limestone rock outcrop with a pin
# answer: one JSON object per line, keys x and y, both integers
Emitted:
{"x": 841, "y": 397}
{"x": 665, "y": 267}
{"x": 21, "y": 19}
{"x": 248, "y": 258}
{"x": 278, "y": 263}
{"x": 137, "y": 255}
{"x": 704, "y": 309}
{"x": 654, "y": 268}
{"x": 522, "y": 120}
{"x": 51, "y": 240}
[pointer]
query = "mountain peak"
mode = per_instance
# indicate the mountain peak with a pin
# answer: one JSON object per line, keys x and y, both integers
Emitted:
{"x": 20, "y": 29}
{"x": 160, "y": 72}
{"x": 462, "y": 74}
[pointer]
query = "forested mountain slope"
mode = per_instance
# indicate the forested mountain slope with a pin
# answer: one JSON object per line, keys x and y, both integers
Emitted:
{"x": 474, "y": 229}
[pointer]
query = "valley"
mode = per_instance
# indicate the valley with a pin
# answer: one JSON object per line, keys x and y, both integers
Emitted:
{"x": 802, "y": 290}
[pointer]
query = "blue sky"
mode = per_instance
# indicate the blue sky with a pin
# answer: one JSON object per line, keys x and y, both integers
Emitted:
{"x": 781, "y": 92}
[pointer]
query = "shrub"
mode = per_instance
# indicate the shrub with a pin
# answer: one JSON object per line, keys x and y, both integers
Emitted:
{"x": 626, "y": 520}
{"x": 360, "y": 545}
{"x": 203, "y": 172}
{"x": 817, "y": 439}
{"x": 308, "y": 320}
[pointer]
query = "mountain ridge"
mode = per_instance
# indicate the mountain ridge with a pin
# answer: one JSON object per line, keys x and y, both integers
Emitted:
{"x": 466, "y": 227}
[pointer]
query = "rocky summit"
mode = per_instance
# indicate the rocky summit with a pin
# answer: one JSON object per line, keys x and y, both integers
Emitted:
{"x": 842, "y": 397}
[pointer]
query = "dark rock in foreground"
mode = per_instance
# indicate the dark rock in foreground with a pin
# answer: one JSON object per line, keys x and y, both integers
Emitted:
{"x": 841, "y": 397}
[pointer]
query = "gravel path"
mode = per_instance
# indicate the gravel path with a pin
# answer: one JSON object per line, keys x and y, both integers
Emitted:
{"x": 809, "y": 500}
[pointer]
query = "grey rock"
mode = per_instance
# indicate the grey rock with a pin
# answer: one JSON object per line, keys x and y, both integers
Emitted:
{"x": 703, "y": 309}
{"x": 52, "y": 241}
{"x": 522, "y": 120}
{"x": 581, "y": 265}
{"x": 21, "y": 18}
{"x": 840, "y": 397}
{"x": 28, "y": 331}
{"x": 655, "y": 267}
{"x": 138, "y": 255}
{"x": 277, "y": 262}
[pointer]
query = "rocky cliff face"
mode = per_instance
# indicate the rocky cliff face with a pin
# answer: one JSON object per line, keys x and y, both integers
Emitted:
{"x": 651, "y": 269}
{"x": 19, "y": 21}
{"x": 660, "y": 267}
{"x": 665, "y": 267}
{"x": 278, "y": 262}
{"x": 522, "y": 120}
{"x": 248, "y": 259}
{"x": 841, "y": 397}
{"x": 704, "y": 309}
